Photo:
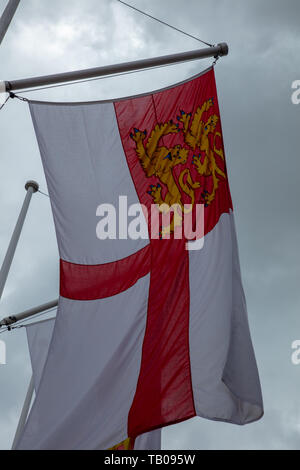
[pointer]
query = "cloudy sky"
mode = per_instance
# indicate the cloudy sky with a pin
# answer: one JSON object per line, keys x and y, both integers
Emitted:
{"x": 261, "y": 130}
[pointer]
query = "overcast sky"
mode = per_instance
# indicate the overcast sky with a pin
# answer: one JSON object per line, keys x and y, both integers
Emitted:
{"x": 261, "y": 129}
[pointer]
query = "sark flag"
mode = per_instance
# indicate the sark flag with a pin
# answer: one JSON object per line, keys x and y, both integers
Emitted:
{"x": 148, "y": 333}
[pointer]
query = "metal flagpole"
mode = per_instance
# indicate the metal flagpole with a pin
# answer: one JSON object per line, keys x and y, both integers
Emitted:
{"x": 7, "y": 16}
{"x": 24, "y": 413}
{"x": 28, "y": 313}
{"x": 31, "y": 187}
{"x": 214, "y": 51}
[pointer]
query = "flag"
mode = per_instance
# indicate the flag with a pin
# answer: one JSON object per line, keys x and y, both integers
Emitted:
{"x": 39, "y": 335}
{"x": 151, "y": 329}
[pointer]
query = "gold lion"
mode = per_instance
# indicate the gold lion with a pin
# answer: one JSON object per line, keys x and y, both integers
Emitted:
{"x": 159, "y": 161}
{"x": 196, "y": 136}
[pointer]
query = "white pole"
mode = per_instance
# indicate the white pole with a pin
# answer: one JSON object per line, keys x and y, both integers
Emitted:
{"x": 31, "y": 187}
{"x": 215, "y": 51}
{"x": 7, "y": 16}
{"x": 24, "y": 413}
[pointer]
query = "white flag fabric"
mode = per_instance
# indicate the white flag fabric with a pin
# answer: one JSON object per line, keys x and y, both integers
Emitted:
{"x": 148, "y": 333}
{"x": 39, "y": 335}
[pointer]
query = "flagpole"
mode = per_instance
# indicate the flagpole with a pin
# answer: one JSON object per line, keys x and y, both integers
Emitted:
{"x": 24, "y": 413}
{"x": 28, "y": 313}
{"x": 214, "y": 51}
{"x": 31, "y": 187}
{"x": 7, "y": 16}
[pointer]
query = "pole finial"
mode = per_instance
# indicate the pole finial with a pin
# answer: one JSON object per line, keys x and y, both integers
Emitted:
{"x": 224, "y": 49}
{"x": 32, "y": 184}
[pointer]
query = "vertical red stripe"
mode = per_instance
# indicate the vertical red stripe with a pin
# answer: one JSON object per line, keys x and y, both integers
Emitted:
{"x": 164, "y": 392}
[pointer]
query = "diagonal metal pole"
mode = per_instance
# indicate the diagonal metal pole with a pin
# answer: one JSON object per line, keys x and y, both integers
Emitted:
{"x": 7, "y": 16}
{"x": 28, "y": 313}
{"x": 31, "y": 187}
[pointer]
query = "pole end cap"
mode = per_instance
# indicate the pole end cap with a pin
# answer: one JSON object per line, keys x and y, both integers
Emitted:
{"x": 32, "y": 184}
{"x": 224, "y": 49}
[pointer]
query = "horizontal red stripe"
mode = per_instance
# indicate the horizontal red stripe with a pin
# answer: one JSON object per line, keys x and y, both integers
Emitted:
{"x": 91, "y": 282}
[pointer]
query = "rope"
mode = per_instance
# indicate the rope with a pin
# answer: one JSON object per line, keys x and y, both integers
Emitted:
{"x": 216, "y": 57}
{"x": 3, "y": 104}
{"x": 13, "y": 95}
{"x": 44, "y": 194}
{"x": 166, "y": 24}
